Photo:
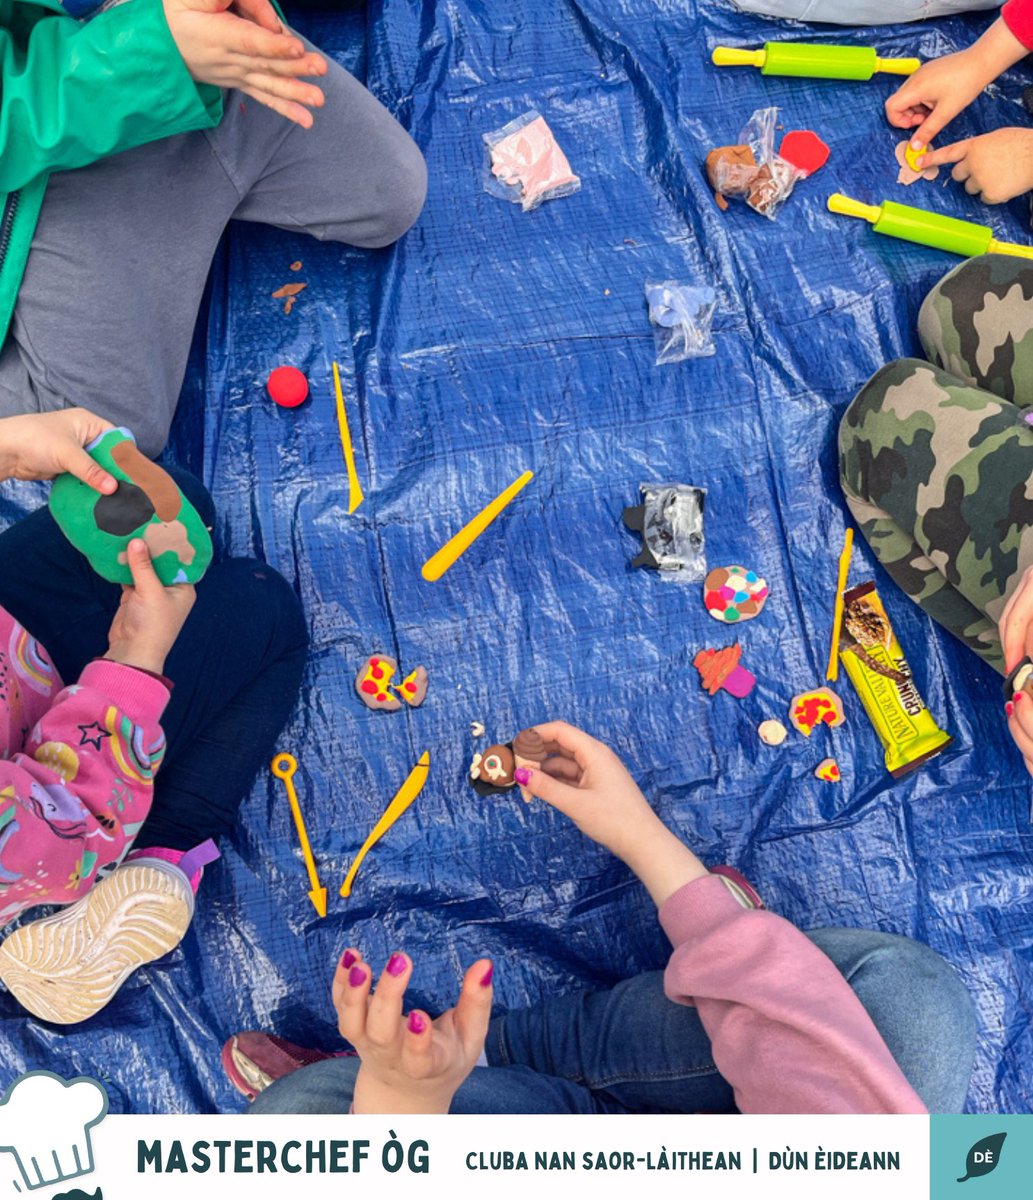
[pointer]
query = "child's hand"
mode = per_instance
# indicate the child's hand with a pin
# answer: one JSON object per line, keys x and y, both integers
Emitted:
{"x": 409, "y": 1064}
{"x": 588, "y": 782}
{"x": 245, "y": 52}
{"x": 150, "y": 615}
{"x": 935, "y": 94}
{"x": 996, "y": 166}
{"x": 941, "y": 88}
{"x": 42, "y": 445}
{"x": 1016, "y": 630}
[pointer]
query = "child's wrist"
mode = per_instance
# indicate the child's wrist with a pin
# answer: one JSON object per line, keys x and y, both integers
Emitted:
{"x": 663, "y": 862}
{"x": 372, "y": 1095}
{"x": 144, "y": 660}
{"x": 996, "y": 51}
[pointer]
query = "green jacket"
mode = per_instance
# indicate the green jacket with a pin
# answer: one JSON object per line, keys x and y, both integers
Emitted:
{"x": 72, "y": 92}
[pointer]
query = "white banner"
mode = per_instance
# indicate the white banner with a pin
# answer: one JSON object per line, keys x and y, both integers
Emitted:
{"x": 223, "y": 1157}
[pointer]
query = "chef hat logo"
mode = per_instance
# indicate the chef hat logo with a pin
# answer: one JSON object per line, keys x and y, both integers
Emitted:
{"x": 45, "y": 1122}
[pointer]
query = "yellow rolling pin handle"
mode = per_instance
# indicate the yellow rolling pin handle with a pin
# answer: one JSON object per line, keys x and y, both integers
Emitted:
{"x": 729, "y": 56}
{"x": 838, "y": 203}
{"x": 897, "y": 66}
{"x": 1013, "y": 248}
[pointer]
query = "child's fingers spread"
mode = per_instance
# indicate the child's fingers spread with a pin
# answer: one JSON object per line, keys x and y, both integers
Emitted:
{"x": 297, "y": 113}
{"x": 244, "y": 37}
{"x": 286, "y": 89}
{"x": 418, "y": 1045}
{"x": 351, "y": 1009}
{"x": 311, "y": 66}
{"x": 954, "y": 153}
{"x": 385, "y": 1007}
{"x": 472, "y": 1013}
{"x": 350, "y": 958}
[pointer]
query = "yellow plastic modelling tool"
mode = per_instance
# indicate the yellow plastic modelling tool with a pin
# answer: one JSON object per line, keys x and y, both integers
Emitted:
{"x": 832, "y": 672}
{"x": 927, "y": 228}
{"x": 355, "y": 496}
{"x": 407, "y": 793}
{"x": 438, "y": 563}
{"x": 283, "y": 767}
{"x": 811, "y": 61}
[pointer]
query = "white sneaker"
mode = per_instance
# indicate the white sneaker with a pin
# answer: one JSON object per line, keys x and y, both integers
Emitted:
{"x": 66, "y": 967}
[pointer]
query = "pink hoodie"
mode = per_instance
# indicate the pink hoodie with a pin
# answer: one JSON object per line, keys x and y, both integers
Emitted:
{"x": 77, "y": 769}
{"x": 786, "y": 1030}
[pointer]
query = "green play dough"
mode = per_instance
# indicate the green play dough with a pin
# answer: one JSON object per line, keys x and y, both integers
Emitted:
{"x": 101, "y": 527}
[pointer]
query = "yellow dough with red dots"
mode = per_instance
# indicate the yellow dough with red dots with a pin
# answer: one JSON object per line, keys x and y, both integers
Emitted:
{"x": 413, "y": 688}
{"x": 821, "y": 706}
{"x": 828, "y": 769}
{"x": 373, "y": 683}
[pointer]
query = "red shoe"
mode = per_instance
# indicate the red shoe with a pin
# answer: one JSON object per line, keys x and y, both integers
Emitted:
{"x": 252, "y": 1060}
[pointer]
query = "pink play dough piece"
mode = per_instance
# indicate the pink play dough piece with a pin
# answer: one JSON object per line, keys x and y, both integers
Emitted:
{"x": 531, "y": 159}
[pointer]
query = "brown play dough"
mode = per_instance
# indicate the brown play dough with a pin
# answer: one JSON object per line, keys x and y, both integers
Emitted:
{"x": 494, "y": 766}
{"x": 288, "y": 294}
{"x": 158, "y": 484}
{"x": 529, "y": 750}
{"x": 731, "y": 170}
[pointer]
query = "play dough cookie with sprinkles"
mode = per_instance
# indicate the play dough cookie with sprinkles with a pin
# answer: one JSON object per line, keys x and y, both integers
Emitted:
{"x": 733, "y": 594}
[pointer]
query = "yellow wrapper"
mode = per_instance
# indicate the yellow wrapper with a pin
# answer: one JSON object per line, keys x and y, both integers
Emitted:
{"x": 905, "y": 726}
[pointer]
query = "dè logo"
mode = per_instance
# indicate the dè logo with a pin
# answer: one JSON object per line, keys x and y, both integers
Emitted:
{"x": 983, "y": 1157}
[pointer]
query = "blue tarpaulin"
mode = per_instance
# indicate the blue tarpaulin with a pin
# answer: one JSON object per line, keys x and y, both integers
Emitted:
{"x": 490, "y": 341}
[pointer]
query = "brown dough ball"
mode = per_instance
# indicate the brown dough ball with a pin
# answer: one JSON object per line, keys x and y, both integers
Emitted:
{"x": 731, "y": 170}
{"x": 494, "y": 766}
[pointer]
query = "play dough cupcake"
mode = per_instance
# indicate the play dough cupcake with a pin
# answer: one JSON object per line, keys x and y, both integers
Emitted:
{"x": 734, "y": 594}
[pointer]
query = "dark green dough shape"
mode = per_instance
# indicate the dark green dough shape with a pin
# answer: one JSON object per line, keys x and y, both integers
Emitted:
{"x": 84, "y": 515}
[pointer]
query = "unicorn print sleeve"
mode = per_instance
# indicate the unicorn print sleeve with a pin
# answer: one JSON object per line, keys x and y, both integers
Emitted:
{"x": 77, "y": 768}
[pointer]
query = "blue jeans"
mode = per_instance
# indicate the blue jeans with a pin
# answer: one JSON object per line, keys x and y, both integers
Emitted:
{"x": 631, "y": 1050}
{"x": 235, "y": 668}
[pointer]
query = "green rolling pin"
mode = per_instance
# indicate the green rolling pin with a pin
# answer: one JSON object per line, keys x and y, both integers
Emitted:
{"x": 926, "y": 228}
{"x": 814, "y": 61}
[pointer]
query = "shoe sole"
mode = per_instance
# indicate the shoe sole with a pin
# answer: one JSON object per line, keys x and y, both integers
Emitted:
{"x": 66, "y": 967}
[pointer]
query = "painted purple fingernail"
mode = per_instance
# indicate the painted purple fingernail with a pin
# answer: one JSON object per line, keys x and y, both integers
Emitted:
{"x": 1009, "y": 708}
{"x": 396, "y": 964}
{"x": 416, "y": 1023}
{"x": 486, "y": 977}
{"x": 523, "y": 776}
{"x": 357, "y": 976}
{"x": 348, "y": 958}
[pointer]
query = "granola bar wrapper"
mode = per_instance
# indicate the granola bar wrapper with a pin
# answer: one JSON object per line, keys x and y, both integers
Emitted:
{"x": 872, "y": 658}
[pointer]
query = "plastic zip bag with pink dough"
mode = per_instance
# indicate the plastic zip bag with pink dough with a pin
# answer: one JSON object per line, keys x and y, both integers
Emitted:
{"x": 526, "y": 163}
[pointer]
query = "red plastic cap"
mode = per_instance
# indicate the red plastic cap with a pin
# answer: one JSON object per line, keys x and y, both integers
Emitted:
{"x": 287, "y": 386}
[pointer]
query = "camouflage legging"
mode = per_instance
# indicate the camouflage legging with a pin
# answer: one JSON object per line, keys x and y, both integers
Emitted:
{"x": 936, "y": 461}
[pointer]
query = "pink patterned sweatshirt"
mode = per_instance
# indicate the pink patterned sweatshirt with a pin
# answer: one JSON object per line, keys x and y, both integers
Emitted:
{"x": 77, "y": 769}
{"x": 786, "y": 1030}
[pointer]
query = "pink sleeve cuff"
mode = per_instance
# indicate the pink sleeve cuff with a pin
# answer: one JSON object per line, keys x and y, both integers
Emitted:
{"x": 1018, "y": 16}
{"x": 696, "y": 908}
{"x": 139, "y": 694}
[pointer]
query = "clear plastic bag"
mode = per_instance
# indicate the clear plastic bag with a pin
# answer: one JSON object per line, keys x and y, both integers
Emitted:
{"x": 526, "y": 164}
{"x": 670, "y": 520}
{"x": 751, "y": 170}
{"x": 681, "y": 315}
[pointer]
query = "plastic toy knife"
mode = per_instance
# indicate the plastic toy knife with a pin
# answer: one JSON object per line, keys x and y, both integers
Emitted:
{"x": 406, "y": 794}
